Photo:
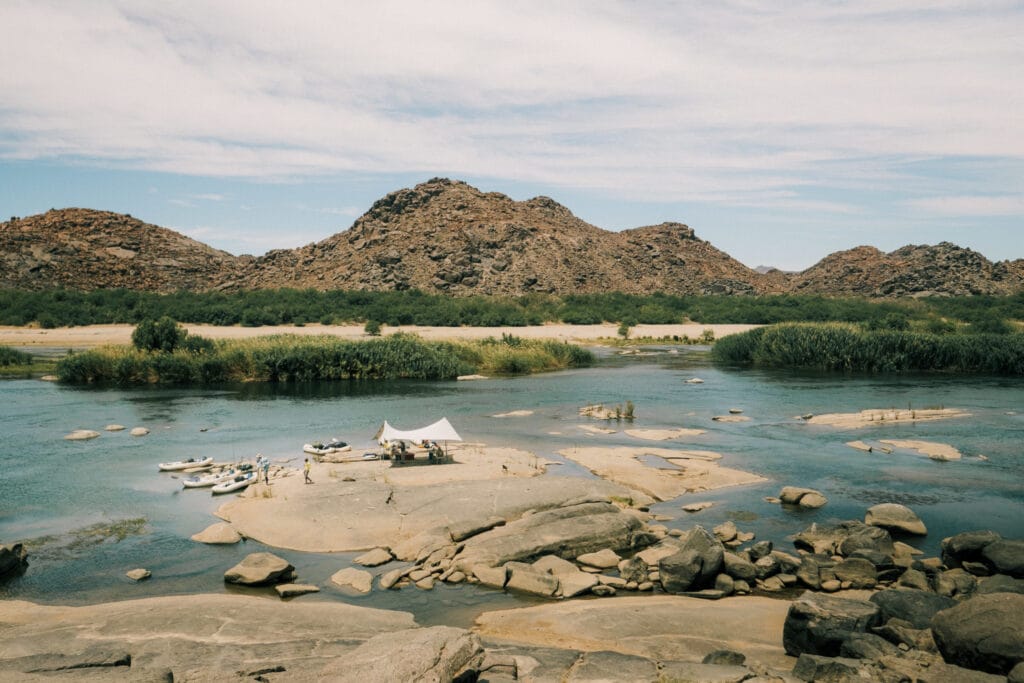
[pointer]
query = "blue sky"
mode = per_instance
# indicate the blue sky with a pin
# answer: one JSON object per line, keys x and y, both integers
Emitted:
{"x": 779, "y": 135}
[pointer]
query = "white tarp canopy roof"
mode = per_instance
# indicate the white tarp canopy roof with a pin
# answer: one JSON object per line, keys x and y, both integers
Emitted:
{"x": 441, "y": 430}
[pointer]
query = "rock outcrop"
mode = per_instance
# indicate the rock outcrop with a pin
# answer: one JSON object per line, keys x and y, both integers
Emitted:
{"x": 444, "y": 236}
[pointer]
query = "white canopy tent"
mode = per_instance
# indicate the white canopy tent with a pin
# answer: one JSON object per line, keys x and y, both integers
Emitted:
{"x": 441, "y": 430}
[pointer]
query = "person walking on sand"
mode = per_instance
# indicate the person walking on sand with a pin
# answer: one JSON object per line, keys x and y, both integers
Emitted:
{"x": 305, "y": 470}
{"x": 266, "y": 471}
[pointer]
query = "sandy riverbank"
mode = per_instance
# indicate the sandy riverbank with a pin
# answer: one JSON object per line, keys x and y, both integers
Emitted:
{"x": 98, "y": 335}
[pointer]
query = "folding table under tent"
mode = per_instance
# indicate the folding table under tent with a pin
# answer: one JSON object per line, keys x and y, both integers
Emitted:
{"x": 441, "y": 430}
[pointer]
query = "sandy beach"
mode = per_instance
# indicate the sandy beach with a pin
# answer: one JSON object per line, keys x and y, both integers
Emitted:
{"x": 99, "y": 335}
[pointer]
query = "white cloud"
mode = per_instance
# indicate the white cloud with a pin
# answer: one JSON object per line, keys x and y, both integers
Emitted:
{"x": 978, "y": 205}
{"x": 725, "y": 102}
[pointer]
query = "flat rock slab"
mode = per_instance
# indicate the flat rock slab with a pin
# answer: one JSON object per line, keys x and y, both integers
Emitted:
{"x": 212, "y": 634}
{"x": 336, "y": 516}
{"x": 694, "y": 470}
{"x": 291, "y": 590}
{"x": 357, "y": 579}
{"x": 374, "y": 558}
{"x": 220, "y": 533}
{"x": 654, "y": 627}
{"x": 931, "y": 449}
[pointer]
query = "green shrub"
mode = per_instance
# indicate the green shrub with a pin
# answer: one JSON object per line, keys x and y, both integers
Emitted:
{"x": 9, "y": 356}
{"x": 158, "y": 335}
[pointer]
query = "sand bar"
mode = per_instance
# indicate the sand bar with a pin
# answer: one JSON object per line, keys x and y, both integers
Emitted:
{"x": 98, "y": 335}
{"x": 663, "y": 434}
{"x": 883, "y": 416}
{"x": 693, "y": 471}
{"x": 935, "y": 451}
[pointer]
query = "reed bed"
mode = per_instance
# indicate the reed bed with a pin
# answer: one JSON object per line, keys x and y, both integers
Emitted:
{"x": 291, "y": 358}
{"x": 834, "y": 346}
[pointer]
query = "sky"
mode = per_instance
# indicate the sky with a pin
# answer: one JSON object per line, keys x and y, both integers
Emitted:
{"x": 780, "y": 132}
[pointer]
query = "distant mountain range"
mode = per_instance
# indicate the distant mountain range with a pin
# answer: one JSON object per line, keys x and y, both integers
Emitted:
{"x": 444, "y": 236}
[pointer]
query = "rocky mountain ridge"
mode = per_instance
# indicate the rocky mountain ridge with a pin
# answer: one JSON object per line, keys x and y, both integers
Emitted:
{"x": 444, "y": 236}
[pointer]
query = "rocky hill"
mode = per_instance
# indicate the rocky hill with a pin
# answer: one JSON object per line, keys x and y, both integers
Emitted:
{"x": 85, "y": 249}
{"x": 944, "y": 269}
{"x": 445, "y": 236}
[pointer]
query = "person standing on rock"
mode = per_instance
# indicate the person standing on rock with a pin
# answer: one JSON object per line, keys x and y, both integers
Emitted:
{"x": 305, "y": 470}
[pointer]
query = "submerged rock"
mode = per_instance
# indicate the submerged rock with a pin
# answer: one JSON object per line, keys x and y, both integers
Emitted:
{"x": 220, "y": 533}
{"x": 350, "y": 577}
{"x": 139, "y": 574}
{"x": 13, "y": 560}
{"x": 81, "y": 435}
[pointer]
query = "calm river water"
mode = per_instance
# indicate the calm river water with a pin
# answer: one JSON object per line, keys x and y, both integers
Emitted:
{"x": 52, "y": 491}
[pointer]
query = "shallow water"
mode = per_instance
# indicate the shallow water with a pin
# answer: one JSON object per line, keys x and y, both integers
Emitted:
{"x": 51, "y": 487}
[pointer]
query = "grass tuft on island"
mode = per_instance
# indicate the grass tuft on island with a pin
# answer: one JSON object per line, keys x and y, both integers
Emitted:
{"x": 286, "y": 358}
{"x": 837, "y": 346}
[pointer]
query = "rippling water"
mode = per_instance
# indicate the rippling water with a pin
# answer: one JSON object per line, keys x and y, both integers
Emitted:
{"x": 51, "y": 489}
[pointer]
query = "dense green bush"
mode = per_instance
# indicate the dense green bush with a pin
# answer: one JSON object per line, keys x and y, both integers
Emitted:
{"x": 57, "y": 308}
{"x": 286, "y": 358}
{"x": 158, "y": 335}
{"x": 845, "y": 347}
{"x": 9, "y": 356}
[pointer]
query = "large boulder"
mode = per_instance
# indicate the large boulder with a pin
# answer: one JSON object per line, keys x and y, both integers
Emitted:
{"x": 966, "y": 547}
{"x": 357, "y": 579}
{"x": 13, "y": 560}
{"x": 860, "y": 573}
{"x": 260, "y": 569}
{"x": 438, "y": 653}
{"x": 985, "y": 632}
{"x": 914, "y": 606}
{"x": 818, "y": 624}
{"x": 696, "y": 564}
{"x": 1005, "y": 557}
{"x": 895, "y": 517}
{"x": 526, "y": 578}
{"x": 568, "y": 532}
{"x": 220, "y": 533}
{"x": 844, "y": 539}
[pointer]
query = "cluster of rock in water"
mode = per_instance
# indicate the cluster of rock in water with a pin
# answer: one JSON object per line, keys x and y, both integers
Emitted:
{"x": 955, "y": 616}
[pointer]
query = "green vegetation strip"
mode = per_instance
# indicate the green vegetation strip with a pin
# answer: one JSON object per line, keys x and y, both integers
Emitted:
{"x": 283, "y": 358}
{"x": 853, "y": 348}
{"x": 62, "y": 308}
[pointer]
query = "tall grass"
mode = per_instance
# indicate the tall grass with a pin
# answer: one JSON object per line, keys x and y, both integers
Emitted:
{"x": 9, "y": 356}
{"x": 835, "y": 346}
{"x": 287, "y": 358}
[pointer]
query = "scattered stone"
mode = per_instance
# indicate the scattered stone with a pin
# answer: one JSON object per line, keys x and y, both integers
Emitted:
{"x": 527, "y": 579}
{"x": 725, "y": 658}
{"x": 844, "y": 539}
{"x": 634, "y": 569}
{"x": 695, "y": 380}
{"x": 13, "y": 559}
{"x": 291, "y": 590}
{"x": 697, "y": 507}
{"x": 220, "y": 533}
{"x": 425, "y": 584}
{"x": 603, "y": 559}
{"x": 731, "y": 418}
{"x": 374, "y": 558}
{"x": 553, "y": 564}
{"x": 356, "y": 579}
{"x": 114, "y": 428}
{"x": 82, "y": 435}
{"x": 738, "y": 567}
{"x": 139, "y": 431}
{"x": 914, "y": 579}
{"x": 726, "y": 531}
{"x": 390, "y": 579}
{"x": 867, "y": 646}
{"x": 985, "y": 632}
{"x": 258, "y": 569}
{"x": 1005, "y": 557}
{"x": 138, "y": 574}
{"x": 818, "y": 624}
{"x": 895, "y": 517}
{"x": 735, "y": 411}
{"x": 811, "y": 667}
{"x": 859, "y": 572}
{"x": 603, "y": 591}
{"x": 456, "y": 577}
{"x": 495, "y": 577}
{"x": 806, "y": 498}
{"x": 915, "y": 607}
{"x": 999, "y": 584}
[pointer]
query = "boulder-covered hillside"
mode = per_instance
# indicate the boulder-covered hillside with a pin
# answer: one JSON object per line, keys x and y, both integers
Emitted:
{"x": 444, "y": 236}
